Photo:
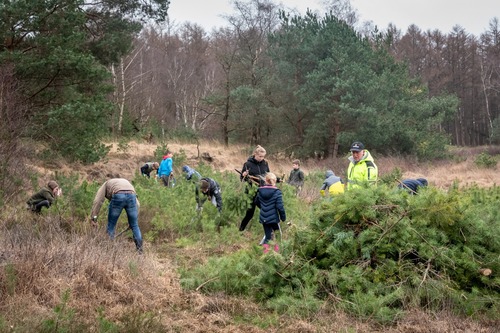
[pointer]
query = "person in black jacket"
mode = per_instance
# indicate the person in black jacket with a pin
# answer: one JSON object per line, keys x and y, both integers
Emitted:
{"x": 149, "y": 167}
{"x": 253, "y": 171}
{"x": 412, "y": 185}
{"x": 272, "y": 211}
{"x": 211, "y": 190}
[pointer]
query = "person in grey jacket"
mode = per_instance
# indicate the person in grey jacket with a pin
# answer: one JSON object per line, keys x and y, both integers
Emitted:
{"x": 272, "y": 211}
{"x": 190, "y": 172}
{"x": 330, "y": 179}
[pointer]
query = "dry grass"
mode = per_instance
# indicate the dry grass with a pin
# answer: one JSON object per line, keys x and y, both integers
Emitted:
{"x": 439, "y": 173}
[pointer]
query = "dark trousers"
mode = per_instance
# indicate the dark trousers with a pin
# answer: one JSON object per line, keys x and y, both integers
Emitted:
{"x": 166, "y": 180}
{"x": 248, "y": 215}
{"x": 144, "y": 171}
{"x": 269, "y": 230}
{"x": 38, "y": 207}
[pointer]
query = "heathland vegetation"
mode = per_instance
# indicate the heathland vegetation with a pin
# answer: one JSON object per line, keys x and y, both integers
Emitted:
{"x": 75, "y": 75}
{"x": 362, "y": 261}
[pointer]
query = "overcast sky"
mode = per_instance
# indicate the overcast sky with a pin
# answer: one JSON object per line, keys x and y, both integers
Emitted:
{"x": 473, "y": 15}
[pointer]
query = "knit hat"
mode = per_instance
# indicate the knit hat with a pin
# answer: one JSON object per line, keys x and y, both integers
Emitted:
{"x": 204, "y": 185}
{"x": 52, "y": 185}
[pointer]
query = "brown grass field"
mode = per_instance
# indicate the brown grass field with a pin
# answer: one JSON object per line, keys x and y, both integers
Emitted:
{"x": 100, "y": 273}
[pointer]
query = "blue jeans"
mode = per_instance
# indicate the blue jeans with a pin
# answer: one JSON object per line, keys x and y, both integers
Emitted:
{"x": 126, "y": 201}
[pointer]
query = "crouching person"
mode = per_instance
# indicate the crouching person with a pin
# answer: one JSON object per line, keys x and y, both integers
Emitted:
{"x": 210, "y": 190}
{"x": 270, "y": 201}
{"x": 121, "y": 194}
{"x": 44, "y": 198}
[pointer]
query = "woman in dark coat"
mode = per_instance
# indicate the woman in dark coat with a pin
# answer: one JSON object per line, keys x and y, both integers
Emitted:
{"x": 254, "y": 171}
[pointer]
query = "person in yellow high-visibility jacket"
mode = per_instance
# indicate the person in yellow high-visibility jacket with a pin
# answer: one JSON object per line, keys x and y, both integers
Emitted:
{"x": 362, "y": 168}
{"x": 332, "y": 185}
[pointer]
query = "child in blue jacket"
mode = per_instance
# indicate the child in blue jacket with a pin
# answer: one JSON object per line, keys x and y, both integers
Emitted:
{"x": 272, "y": 211}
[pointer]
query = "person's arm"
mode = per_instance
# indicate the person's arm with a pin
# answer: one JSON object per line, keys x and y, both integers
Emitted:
{"x": 281, "y": 207}
{"x": 168, "y": 169}
{"x": 256, "y": 200}
{"x": 244, "y": 171}
{"x": 98, "y": 201}
{"x": 371, "y": 172}
{"x": 218, "y": 198}
{"x": 301, "y": 177}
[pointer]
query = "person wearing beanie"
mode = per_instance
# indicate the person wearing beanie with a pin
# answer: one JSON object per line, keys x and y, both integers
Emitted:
{"x": 121, "y": 195}
{"x": 332, "y": 185}
{"x": 190, "y": 172}
{"x": 149, "y": 167}
{"x": 412, "y": 185}
{"x": 45, "y": 197}
{"x": 362, "y": 168}
{"x": 211, "y": 190}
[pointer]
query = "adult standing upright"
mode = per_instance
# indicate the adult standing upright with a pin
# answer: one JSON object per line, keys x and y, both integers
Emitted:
{"x": 121, "y": 195}
{"x": 254, "y": 169}
{"x": 166, "y": 168}
{"x": 362, "y": 168}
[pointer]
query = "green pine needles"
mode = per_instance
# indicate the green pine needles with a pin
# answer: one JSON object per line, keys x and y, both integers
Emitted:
{"x": 376, "y": 253}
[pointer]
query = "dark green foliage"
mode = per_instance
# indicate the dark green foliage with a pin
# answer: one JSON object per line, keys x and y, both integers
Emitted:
{"x": 77, "y": 128}
{"x": 485, "y": 160}
{"x": 58, "y": 51}
{"x": 379, "y": 251}
{"x": 335, "y": 88}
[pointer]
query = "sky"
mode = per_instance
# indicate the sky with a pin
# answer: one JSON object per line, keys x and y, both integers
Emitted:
{"x": 473, "y": 15}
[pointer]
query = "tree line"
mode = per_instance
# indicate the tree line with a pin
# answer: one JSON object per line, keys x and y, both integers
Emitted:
{"x": 73, "y": 72}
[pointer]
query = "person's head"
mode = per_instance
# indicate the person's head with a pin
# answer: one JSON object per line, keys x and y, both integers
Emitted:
{"x": 185, "y": 168}
{"x": 357, "y": 150}
{"x": 52, "y": 185}
{"x": 204, "y": 185}
{"x": 270, "y": 178}
{"x": 168, "y": 154}
{"x": 156, "y": 165}
{"x": 329, "y": 173}
{"x": 296, "y": 164}
{"x": 259, "y": 153}
{"x": 423, "y": 181}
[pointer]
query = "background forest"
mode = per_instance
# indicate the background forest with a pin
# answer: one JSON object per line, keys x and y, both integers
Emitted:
{"x": 305, "y": 85}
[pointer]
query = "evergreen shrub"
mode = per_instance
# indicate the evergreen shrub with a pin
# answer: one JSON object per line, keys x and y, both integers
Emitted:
{"x": 376, "y": 252}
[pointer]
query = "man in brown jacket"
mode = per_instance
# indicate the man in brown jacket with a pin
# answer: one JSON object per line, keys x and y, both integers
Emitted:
{"x": 121, "y": 194}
